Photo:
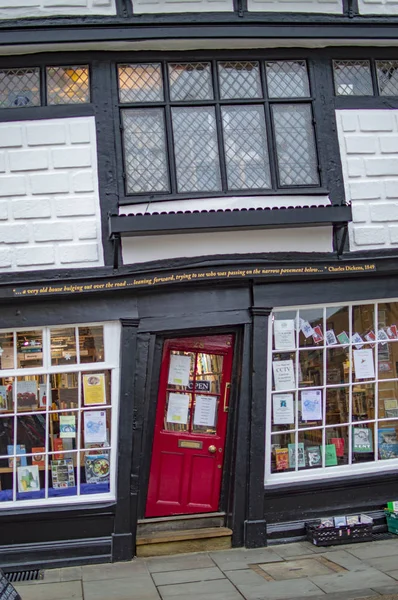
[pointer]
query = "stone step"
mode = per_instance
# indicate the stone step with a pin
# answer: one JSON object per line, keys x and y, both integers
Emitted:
{"x": 179, "y": 522}
{"x": 162, "y": 543}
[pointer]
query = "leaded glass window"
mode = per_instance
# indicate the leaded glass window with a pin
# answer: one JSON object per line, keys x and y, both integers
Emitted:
{"x": 216, "y": 126}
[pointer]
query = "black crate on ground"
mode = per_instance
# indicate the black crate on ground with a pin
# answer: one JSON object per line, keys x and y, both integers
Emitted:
{"x": 333, "y": 536}
{"x": 7, "y": 590}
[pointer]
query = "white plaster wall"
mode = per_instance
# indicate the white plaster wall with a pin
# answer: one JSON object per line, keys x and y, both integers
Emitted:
{"x": 299, "y": 6}
{"x": 305, "y": 239}
{"x": 14, "y": 9}
{"x": 49, "y": 201}
{"x": 378, "y": 7}
{"x": 369, "y": 152}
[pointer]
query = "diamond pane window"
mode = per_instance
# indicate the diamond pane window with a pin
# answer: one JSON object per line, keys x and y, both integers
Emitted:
{"x": 239, "y": 80}
{"x": 352, "y": 78}
{"x": 145, "y": 150}
{"x": 246, "y": 152}
{"x": 19, "y": 87}
{"x": 190, "y": 81}
{"x": 387, "y": 77}
{"x": 295, "y": 144}
{"x": 287, "y": 79}
{"x": 68, "y": 85}
{"x": 196, "y": 150}
{"x": 140, "y": 83}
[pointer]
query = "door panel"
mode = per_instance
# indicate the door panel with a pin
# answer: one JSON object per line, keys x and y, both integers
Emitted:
{"x": 190, "y": 428}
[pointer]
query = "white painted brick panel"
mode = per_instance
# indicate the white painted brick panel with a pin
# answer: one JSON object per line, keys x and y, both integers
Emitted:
{"x": 370, "y": 236}
{"x": 303, "y": 6}
{"x": 370, "y": 172}
{"x": 44, "y": 134}
{"x": 12, "y": 9}
{"x": 49, "y": 203}
{"x": 82, "y": 253}
{"x": 182, "y": 6}
{"x": 87, "y": 230}
{"x": 384, "y": 212}
{"x": 360, "y": 213}
{"x": 10, "y": 136}
{"x": 31, "y": 209}
{"x": 80, "y": 206}
{"x": 49, "y": 183}
{"x": 53, "y": 232}
{"x": 360, "y": 144}
{"x": 35, "y": 256}
{"x": 64, "y": 158}
{"x": 28, "y": 160}
{"x": 378, "y": 7}
{"x": 12, "y": 185}
{"x": 14, "y": 234}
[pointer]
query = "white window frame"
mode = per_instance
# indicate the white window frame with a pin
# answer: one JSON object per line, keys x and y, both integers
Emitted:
{"x": 274, "y": 479}
{"x": 112, "y": 332}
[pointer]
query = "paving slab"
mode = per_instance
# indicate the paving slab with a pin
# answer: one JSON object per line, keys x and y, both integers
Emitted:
{"x": 366, "y": 550}
{"x": 51, "y": 591}
{"x": 366, "y": 594}
{"x": 344, "y": 559}
{"x": 244, "y": 576}
{"x": 114, "y": 571}
{"x": 71, "y": 574}
{"x": 187, "y": 576}
{"x": 271, "y": 590}
{"x": 239, "y": 558}
{"x": 177, "y": 563}
{"x": 383, "y": 563}
{"x": 297, "y": 549}
{"x": 385, "y": 590}
{"x": 138, "y": 588}
{"x": 205, "y": 590}
{"x": 296, "y": 569}
{"x": 352, "y": 580}
{"x": 393, "y": 574}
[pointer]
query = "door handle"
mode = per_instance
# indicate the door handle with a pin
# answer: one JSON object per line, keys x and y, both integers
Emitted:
{"x": 212, "y": 449}
{"x": 227, "y": 388}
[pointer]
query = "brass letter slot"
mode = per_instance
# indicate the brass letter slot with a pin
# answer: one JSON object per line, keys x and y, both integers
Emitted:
{"x": 190, "y": 444}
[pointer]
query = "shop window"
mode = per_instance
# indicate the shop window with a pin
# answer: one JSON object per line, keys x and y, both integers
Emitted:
{"x": 58, "y": 391}
{"x": 216, "y": 126}
{"x": 333, "y": 402}
{"x": 22, "y": 87}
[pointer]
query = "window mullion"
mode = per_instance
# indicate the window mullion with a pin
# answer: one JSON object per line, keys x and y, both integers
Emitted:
{"x": 169, "y": 132}
{"x": 220, "y": 133}
{"x": 272, "y": 155}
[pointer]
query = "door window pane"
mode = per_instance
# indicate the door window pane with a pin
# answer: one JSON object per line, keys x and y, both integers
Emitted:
{"x": 196, "y": 150}
{"x": 145, "y": 150}
{"x": 239, "y": 80}
{"x": 246, "y": 150}
{"x": 295, "y": 144}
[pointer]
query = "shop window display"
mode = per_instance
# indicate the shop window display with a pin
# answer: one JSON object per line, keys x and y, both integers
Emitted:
{"x": 57, "y": 390}
{"x": 333, "y": 402}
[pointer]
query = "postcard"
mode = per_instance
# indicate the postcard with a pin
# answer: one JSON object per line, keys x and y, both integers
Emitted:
{"x": 94, "y": 426}
{"x": 94, "y": 389}
{"x": 364, "y": 364}
{"x": 283, "y": 374}
{"x": 28, "y": 479}
{"x": 311, "y": 405}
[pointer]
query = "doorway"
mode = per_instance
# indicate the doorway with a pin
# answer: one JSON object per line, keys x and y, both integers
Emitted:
{"x": 190, "y": 428}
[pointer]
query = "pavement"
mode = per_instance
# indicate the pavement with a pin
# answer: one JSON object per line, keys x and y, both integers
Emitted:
{"x": 367, "y": 570}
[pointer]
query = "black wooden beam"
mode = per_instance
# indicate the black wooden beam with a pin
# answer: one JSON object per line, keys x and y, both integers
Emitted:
{"x": 171, "y": 223}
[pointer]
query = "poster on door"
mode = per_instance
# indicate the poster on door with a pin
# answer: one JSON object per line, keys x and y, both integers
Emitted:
{"x": 177, "y": 409}
{"x": 179, "y": 369}
{"x": 205, "y": 411}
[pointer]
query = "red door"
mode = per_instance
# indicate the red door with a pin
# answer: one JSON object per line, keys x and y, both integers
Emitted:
{"x": 190, "y": 428}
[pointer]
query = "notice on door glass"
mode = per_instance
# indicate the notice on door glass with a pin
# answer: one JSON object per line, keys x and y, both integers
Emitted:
{"x": 205, "y": 411}
{"x": 179, "y": 369}
{"x": 177, "y": 409}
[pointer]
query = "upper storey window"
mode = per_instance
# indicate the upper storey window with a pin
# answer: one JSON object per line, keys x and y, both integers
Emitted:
{"x": 216, "y": 126}
{"x": 36, "y": 86}
{"x": 366, "y": 77}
